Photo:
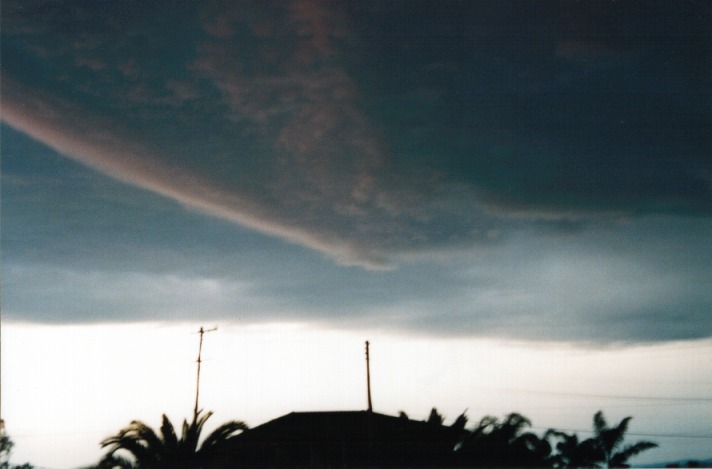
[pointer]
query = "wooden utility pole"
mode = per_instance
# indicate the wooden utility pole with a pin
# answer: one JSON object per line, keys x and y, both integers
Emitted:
{"x": 368, "y": 379}
{"x": 197, "y": 383}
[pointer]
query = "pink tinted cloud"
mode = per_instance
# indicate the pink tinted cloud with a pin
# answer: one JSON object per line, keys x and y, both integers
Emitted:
{"x": 326, "y": 183}
{"x": 97, "y": 142}
{"x": 324, "y": 146}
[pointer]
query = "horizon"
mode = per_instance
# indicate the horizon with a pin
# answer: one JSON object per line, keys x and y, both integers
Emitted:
{"x": 511, "y": 200}
{"x": 259, "y": 373}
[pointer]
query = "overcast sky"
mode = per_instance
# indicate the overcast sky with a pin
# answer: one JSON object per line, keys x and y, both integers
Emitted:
{"x": 528, "y": 171}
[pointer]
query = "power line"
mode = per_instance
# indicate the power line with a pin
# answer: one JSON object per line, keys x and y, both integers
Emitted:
{"x": 614, "y": 396}
{"x": 655, "y": 435}
{"x": 613, "y": 406}
{"x": 670, "y": 435}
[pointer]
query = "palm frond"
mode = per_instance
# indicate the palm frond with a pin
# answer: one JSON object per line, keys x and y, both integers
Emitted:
{"x": 620, "y": 431}
{"x": 486, "y": 425}
{"x": 588, "y": 453}
{"x": 513, "y": 425}
{"x": 184, "y": 432}
{"x": 146, "y": 433}
{"x": 620, "y": 458}
{"x": 112, "y": 461}
{"x": 201, "y": 419}
{"x": 599, "y": 423}
{"x": 460, "y": 422}
{"x": 516, "y": 420}
{"x": 150, "y": 450}
{"x": 191, "y": 433}
{"x": 138, "y": 439}
{"x": 435, "y": 417}
{"x": 224, "y": 432}
{"x": 220, "y": 436}
{"x": 611, "y": 438}
{"x": 170, "y": 439}
{"x": 141, "y": 453}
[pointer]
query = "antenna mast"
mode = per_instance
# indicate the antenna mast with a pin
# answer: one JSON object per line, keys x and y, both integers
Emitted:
{"x": 197, "y": 383}
{"x": 368, "y": 379}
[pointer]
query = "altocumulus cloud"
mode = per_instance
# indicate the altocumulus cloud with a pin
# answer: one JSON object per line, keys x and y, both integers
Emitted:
{"x": 370, "y": 132}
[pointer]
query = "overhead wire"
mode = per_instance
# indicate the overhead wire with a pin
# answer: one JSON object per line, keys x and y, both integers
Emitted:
{"x": 612, "y": 396}
{"x": 653, "y": 435}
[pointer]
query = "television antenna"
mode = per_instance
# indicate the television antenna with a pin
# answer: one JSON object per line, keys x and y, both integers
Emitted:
{"x": 199, "y": 361}
{"x": 368, "y": 377}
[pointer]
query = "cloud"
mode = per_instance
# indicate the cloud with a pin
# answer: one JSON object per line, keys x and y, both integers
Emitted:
{"x": 299, "y": 121}
{"x": 583, "y": 289}
{"x": 42, "y": 293}
{"x": 79, "y": 247}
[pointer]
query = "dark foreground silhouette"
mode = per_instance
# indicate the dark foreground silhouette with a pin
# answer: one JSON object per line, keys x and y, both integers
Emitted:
{"x": 363, "y": 439}
{"x": 6, "y": 445}
{"x": 148, "y": 449}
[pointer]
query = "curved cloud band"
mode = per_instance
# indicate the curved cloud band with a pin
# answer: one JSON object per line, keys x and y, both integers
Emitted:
{"x": 301, "y": 120}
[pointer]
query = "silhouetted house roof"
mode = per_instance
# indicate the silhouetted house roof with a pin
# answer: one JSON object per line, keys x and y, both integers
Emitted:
{"x": 343, "y": 440}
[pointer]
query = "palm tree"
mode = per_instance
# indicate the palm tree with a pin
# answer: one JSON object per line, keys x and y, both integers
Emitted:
{"x": 6, "y": 445}
{"x": 153, "y": 451}
{"x": 573, "y": 453}
{"x": 504, "y": 444}
{"x": 442, "y": 444}
{"x": 607, "y": 441}
{"x": 435, "y": 417}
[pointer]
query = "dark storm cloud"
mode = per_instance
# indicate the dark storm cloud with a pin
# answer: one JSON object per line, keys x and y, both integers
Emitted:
{"x": 79, "y": 247}
{"x": 381, "y": 130}
{"x": 65, "y": 264}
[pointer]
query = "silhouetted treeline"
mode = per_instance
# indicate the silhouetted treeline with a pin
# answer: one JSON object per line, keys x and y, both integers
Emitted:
{"x": 507, "y": 443}
{"x": 6, "y": 445}
{"x": 367, "y": 439}
{"x": 139, "y": 446}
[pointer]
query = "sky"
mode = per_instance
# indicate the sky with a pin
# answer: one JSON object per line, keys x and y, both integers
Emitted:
{"x": 511, "y": 200}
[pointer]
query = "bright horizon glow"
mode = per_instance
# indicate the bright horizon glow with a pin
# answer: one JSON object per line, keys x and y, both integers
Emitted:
{"x": 258, "y": 373}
